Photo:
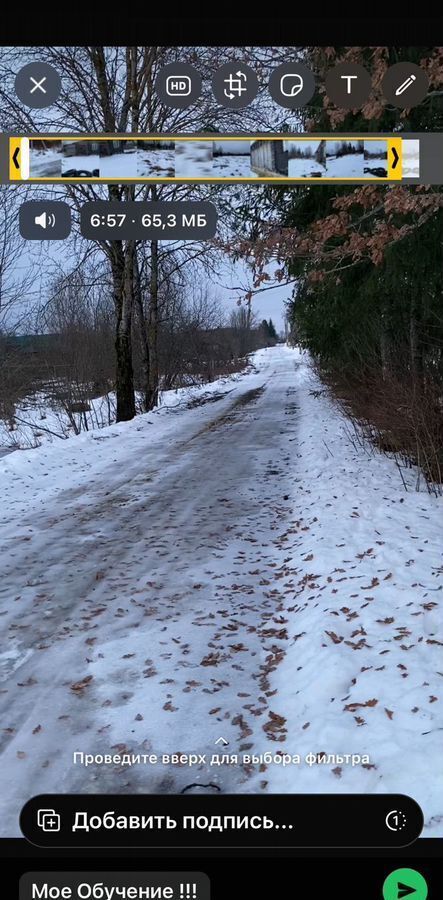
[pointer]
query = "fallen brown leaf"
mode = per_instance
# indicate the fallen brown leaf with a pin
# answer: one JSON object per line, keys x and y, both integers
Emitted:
{"x": 79, "y": 686}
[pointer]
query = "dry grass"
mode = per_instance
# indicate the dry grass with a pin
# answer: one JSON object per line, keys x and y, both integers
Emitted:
{"x": 399, "y": 416}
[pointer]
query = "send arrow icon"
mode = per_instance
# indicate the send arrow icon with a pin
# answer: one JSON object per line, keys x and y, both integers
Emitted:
{"x": 404, "y": 890}
{"x": 405, "y": 883}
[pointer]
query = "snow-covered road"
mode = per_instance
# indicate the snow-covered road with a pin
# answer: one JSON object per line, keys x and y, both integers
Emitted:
{"x": 235, "y": 568}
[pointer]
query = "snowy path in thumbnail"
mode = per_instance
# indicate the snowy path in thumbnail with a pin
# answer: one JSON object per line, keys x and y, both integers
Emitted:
{"x": 237, "y": 569}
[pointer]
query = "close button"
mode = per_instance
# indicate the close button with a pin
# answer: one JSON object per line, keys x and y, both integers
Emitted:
{"x": 38, "y": 85}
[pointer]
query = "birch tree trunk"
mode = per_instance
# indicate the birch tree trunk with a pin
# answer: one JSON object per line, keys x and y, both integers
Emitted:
{"x": 143, "y": 334}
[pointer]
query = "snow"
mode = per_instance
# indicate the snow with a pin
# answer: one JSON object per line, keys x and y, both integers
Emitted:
{"x": 156, "y": 162}
{"x": 306, "y": 168}
{"x": 233, "y": 565}
{"x": 366, "y": 563}
{"x": 375, "y": 161}
{"x": 193, "y": 159}
{"x": 232, "y": 166}
{"x": 119, "y": 165}
{"x": 38, "y": 419}
{"x": 348, "y": 166}
{"x": 411, "y": 159}
{"x": 232, "y": 159}
{"x": 45, "y": 163}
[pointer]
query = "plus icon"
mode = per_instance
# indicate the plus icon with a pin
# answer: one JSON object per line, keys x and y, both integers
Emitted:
{"x": 48, "y": 820}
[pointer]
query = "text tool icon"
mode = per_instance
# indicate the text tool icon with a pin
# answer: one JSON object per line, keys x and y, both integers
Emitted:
{"x": 348, "y": 79}
{"x": 348, "y": 85}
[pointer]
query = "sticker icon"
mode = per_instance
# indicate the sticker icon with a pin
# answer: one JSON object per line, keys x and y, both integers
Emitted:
{"x": 292, "y": 85}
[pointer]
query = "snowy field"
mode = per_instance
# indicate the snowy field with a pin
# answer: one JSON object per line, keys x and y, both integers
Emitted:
{"x": 39, "y": 421}
{"x": 159, "y": 162}
{"x": 232, "y": 166}
{"x": 337, "y": 163}
{"x": 232, "y": 159}
{"x": 229, "y": 565}
{"x": 306, "y": 168}
{"x": 119, "y": 165}
{"x": 45, "y": 163}
{"x": 193, "y": 159}
{"x": 347, "y": 166}
{"x": 375, "y": 162}
{"x": 411, "y": 159}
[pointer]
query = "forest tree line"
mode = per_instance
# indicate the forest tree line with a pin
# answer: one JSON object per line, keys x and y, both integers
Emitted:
{"x": 364, "y": 268}
{"x": 69, "y": 358}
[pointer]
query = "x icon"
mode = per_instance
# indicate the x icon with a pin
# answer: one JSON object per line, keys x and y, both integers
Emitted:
{"x": 38, "y": 85}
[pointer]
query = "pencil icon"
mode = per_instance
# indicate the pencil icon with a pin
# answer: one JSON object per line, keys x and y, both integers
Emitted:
{"x": 405, "y": 85}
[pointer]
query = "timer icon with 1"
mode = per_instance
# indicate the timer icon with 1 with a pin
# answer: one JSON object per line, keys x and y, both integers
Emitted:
{"x": 396, "y": 820}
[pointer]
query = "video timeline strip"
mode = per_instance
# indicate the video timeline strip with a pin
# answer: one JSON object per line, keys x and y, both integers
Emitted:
{"x": 213, "y": 158}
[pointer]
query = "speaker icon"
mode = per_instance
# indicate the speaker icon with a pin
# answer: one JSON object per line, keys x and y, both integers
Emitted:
{"x": 48, "y": 220}
{"x": 45, "y": 220}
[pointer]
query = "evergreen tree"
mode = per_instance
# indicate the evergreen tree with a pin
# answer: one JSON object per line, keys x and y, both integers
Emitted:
{"x": 271, "y": 329}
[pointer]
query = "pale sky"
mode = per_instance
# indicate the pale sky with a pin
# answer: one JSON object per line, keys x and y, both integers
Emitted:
{"x": 46, "y": 258}
{"x": 269, "y": 304}
{"x": 233, "y": 146}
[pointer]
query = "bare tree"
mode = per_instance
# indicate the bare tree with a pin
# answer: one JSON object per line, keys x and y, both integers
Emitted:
{"x": 111, "y": 90}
